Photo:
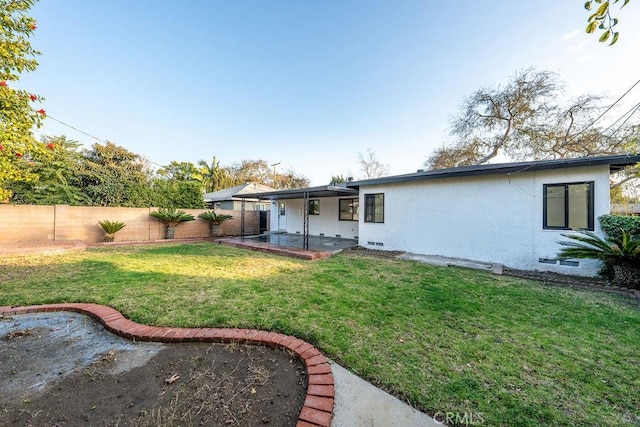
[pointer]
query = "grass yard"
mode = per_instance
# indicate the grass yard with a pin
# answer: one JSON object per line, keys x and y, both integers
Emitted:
{"x": 505, "y": 350}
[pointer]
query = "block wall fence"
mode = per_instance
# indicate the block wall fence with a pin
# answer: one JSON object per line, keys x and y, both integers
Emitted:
{"x": 31, "y": 223}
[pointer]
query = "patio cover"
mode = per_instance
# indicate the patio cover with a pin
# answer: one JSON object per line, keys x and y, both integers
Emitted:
{"x": 299, "y": 193}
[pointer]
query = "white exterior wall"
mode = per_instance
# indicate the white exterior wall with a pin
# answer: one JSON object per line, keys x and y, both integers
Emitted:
{"x": 491, "y": 218}
{"x": 274, "y": 224}
{"x": 326, "y": 223}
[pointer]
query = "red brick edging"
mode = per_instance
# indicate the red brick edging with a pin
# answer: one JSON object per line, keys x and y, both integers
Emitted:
{"x": 318, "y": 406}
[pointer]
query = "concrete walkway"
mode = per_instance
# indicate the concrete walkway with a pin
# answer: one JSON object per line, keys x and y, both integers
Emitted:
{"x": 444, "y": 261}
{"x": 360, "y": 404}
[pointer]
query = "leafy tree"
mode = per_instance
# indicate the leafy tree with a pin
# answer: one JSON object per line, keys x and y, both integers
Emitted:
{"x": 601, "y": 19}
{"x": 17, "y": 117}
{"x": 336, "y": 179}
{"x": 114, "y": 176}
{"x": 290, "y": 179}
{"x": 180, "y": 171}
{"x": 178, "y": 186}
{"x": 172, "y": 193}
{"x": 370, "y": 166}
{"x": 524, "y": 121}
{"x": 260, "y": 172}
{"x": 252, "y": 171}
{"x": 57, "y": 168}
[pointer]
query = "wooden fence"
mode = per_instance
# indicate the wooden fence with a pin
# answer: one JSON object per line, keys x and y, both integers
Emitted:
{"x": 30, "y": 223}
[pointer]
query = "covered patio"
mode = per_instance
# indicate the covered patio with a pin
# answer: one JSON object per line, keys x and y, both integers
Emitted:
{"x": 301, "y": 240}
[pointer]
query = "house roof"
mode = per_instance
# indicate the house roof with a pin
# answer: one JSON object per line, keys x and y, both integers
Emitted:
{"x": 615, "y": 163}
{"x": 235, "y": 193}
{"x": 313, "y": 192}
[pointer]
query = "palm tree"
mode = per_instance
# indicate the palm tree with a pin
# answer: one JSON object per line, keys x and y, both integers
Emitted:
{"x": 213, "y": 177}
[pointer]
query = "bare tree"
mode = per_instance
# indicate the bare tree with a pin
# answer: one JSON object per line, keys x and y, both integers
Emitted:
{"x": 370, "y": 166}
{"x": 524, "y": 120}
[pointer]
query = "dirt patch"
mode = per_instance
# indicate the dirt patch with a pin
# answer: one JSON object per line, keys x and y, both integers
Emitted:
{"x": 592, "y": 283}
{"x": 142, "y": 384}
{"x": 359, "y": 250}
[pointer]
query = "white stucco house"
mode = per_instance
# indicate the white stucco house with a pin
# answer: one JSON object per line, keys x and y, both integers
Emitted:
{"x": 510, "y": 213}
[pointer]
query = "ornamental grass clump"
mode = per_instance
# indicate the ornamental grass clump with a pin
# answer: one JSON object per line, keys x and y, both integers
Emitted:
{"x": 215, "y": 220}
{"x": 111, "y": 228}
{"x": 171, "y": 218}
{"x": 620, "y": 252}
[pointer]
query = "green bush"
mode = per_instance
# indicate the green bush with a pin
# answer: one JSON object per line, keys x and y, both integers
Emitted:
{"x": 612, "y": 225}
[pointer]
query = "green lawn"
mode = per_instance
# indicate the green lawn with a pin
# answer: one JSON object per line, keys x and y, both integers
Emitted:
{"x": 444, "y": 339}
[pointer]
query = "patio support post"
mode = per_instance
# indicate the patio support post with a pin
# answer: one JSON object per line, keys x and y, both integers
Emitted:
{"x": 305, "y": 228}
{"x": 242, "y": 219}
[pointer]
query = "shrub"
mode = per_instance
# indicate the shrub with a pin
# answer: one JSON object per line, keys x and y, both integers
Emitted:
{"x": 215, "y": 220}
{"x": 213, "y": 217}
{"x": 111, "y": 228}
{"x": 621, "y": 254}
{"x": 171, "y": 217}
{"x": 612, "y": 224}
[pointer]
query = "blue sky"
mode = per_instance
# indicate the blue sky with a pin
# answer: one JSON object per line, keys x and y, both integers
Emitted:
{"x": 309, "y": 84}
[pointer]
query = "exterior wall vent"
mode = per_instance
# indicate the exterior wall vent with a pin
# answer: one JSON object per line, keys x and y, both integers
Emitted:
{"x": 379, "y": 244}
{"x": 338, "y": 235}
{"x": 569, "y": 263}
{"x": 321, "y": 234}
{"x": 547, "y": 261}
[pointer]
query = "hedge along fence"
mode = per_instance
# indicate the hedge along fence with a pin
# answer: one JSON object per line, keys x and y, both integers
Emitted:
{"x": 611, "y": 225}
{"x": 30, "y": 223}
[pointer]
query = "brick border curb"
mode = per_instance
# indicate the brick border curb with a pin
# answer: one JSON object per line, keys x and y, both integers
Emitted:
{"x": 319, "y": 402}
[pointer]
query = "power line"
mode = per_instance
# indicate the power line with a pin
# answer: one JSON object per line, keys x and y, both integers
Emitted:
{"x": 91, "y": 136}
{"x": 607, "y": 110}
{"x": 75, "y": 128}
{"x": 621, "y": 117}
{"x": 636, "y": 107}
{"x": 632, "y": 112}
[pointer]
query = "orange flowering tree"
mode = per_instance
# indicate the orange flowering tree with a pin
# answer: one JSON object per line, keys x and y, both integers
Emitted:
{"x": 17, "y": 113}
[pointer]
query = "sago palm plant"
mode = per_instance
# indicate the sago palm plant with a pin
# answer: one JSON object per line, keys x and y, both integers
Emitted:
{"x": 111, "y": 228}
{"x": 621, "y": 253}
{"x": 171, "y": 217}
{"x": 215, "y": 220}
